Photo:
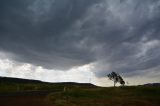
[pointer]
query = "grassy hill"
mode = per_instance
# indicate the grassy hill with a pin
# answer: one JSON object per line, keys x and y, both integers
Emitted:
{"x": 22, "y": 85}
{"x": 22, "y": 92}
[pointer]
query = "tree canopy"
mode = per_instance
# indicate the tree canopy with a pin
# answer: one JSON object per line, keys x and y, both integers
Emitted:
{"x": 116, "y": 78}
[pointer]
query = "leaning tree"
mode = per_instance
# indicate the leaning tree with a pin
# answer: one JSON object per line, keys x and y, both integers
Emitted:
{"x": 116, "y": 78}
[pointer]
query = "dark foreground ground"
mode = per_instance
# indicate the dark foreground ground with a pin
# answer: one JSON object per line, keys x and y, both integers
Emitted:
{"x": 46, "y": 94}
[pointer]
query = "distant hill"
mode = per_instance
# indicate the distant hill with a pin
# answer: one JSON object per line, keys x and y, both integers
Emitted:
{"x": 17, "y": 80}
{"x": 29, "y": 81}
{"x": 152, "y": 84}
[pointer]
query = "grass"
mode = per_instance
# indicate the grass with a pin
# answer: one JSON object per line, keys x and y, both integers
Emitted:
{"x": 132, "y": 96}
{"x": 76, "y": 95}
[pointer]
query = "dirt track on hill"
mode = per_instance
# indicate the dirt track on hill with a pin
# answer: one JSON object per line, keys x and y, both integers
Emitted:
{"x": 23, "y": 101}
{"x": 30, "y": 98}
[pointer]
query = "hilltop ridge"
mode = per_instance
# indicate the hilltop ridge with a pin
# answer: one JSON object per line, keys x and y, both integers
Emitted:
{"x": 31, "y": 81}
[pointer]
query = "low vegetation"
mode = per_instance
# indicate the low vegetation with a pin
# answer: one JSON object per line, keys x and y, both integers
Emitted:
{"x": 131, "y": 96}
{"x": 47, "y": 94}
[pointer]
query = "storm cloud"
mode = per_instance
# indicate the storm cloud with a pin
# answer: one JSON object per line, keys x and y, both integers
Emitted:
{"x": 112, "y": 35}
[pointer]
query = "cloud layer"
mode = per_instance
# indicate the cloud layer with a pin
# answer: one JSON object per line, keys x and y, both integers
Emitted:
{"x": 119, "y": 35}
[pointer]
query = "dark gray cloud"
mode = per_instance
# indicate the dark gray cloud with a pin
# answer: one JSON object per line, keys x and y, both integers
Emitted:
{"x": 33, "y": 31}
{"x": 119, "y": 35}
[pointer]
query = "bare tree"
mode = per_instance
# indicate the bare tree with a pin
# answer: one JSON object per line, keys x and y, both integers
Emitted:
{"x": 116, "y": 78}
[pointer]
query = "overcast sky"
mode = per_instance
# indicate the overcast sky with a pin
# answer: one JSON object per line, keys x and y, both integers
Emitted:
{"x": 80, "y": 40}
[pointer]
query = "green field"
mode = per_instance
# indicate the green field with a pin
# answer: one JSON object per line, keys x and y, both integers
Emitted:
{"x": 45, "y": 94}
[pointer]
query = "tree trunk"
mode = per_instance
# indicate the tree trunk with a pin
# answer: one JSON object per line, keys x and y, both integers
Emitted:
{"x": 114, "y": 83}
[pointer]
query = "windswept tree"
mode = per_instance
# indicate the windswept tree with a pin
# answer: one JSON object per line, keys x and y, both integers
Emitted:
{"x": 116, "y": 78}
